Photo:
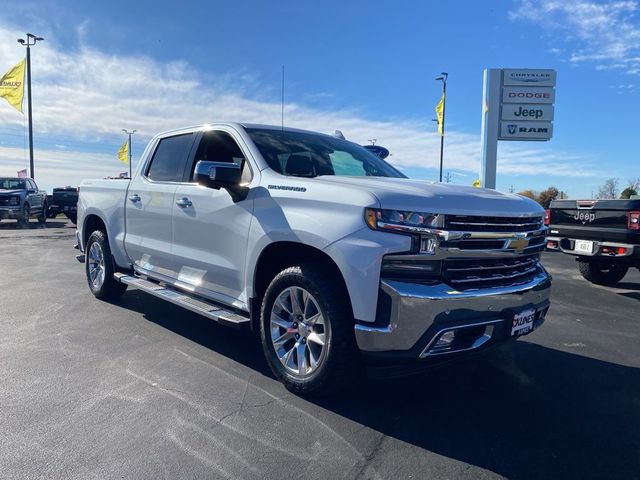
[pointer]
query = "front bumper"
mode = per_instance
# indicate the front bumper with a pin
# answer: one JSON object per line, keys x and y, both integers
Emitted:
{"x": 420, "y": 314}
{"x": 11, "y": 212}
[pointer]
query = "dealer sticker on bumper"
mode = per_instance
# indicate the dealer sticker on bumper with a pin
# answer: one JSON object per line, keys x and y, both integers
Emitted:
{"x": 523, "y": 322}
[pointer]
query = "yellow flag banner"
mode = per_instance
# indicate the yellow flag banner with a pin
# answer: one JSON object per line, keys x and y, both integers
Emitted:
{"x": 12, "y": 86}
{"x": 123, "y": 153}
{"x": 440, "y": 115}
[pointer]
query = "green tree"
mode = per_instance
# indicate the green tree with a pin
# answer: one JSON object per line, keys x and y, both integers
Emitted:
{"x": 627, "y": 192}
{"x": 529, "y": 194}
{"x": 547, "y": 196}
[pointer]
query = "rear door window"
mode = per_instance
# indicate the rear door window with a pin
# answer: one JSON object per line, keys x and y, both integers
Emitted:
{"x": 170, "y": 158}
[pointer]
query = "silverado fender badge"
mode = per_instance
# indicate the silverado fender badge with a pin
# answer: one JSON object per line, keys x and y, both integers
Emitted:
{"x": 287, "y": 187}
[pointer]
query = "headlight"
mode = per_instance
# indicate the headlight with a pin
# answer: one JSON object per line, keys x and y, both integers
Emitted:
{"x": 14, "y": 201}
{"x": 401, "y": 220}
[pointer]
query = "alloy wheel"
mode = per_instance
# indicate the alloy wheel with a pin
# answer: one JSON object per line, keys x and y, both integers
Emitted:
{"x": 299, "y": 333}
{"x": 96, "y": 265}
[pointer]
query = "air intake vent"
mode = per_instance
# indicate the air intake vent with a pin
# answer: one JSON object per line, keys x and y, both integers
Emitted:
{"x": 466, "y": 274}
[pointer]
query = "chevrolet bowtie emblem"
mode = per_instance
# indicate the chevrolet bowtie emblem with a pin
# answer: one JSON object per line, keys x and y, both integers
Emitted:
{"x": 519, "y": 244}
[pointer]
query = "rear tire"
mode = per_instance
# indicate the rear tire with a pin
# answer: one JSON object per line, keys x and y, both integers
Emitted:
{"x": 73, "y": 217}
{"x": 602, "y": 273}
{"x": 99, "y": 268}
{"x": 307, "y": 334}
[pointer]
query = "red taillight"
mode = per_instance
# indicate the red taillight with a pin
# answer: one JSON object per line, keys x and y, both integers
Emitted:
{"x": 633, "y": 220}
{"x": 547, "y": 217}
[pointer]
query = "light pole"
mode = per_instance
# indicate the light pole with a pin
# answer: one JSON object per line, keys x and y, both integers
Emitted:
{"x": 443, "y": 78}
{"x": 29, "y": 42}
{"x": 129, "y": 133}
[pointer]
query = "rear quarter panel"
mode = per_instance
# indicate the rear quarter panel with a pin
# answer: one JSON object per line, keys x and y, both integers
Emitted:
{"x": 105, "y": 199}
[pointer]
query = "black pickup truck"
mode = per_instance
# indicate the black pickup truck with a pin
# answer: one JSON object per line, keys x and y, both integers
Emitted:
{"x": 604, "y": 235}
{"x": 64, "y": 200}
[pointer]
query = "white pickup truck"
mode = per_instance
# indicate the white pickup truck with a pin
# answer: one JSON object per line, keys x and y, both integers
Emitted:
{"x": 332, "y": 255}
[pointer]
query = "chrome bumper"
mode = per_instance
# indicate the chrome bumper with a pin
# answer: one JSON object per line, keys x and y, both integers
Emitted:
{"x": 420, "y": 313}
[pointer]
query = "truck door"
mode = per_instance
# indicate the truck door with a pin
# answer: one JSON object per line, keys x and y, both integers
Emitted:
{"x": 210, "y": 230}
{"x": 149, "y": 205}
{"x": 34, "y": 197}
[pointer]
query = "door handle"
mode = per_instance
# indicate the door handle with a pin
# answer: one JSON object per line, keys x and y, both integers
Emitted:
{"x": 135, "y": 198}
{"x": 184, "y": 202}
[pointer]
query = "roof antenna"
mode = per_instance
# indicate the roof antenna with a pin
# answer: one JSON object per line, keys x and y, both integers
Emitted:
{"x": 282, "y": 104}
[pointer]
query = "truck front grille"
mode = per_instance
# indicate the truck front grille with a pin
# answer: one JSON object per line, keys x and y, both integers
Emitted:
{"x": 536, "y": 244}
{"x": 467, "y": 274}
{"x": 470, "y": 223}
{"x": 8, "y": 200}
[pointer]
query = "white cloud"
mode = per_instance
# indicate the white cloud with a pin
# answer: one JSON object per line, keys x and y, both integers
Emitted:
{"x": 84, "y": 97}
{"x": 604, "y": 33}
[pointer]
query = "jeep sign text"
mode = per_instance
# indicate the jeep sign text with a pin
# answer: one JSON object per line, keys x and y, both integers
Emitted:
{"x": 518, "y": 111}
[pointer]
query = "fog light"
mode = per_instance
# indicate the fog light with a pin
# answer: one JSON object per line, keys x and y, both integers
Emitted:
{"x": 446, "y": 339}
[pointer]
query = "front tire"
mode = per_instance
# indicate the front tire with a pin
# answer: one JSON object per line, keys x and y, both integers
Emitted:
{"x": 99, "y": 268}
{"x": 24, "y": 216}
{"x": 42, "y": 218}
{"x": 602, "y": 273}
{"x": 306, "y": 329}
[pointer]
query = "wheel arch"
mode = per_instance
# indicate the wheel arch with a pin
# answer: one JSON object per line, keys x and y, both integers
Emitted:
{"x": 90, "y": 224}
{"x": 277, "y": 256}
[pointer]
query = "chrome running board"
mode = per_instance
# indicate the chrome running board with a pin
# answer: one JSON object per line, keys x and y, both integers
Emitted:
{"x": 185, "y": 300}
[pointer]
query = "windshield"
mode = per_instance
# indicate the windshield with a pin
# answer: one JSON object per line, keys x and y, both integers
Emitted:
{"x": 12, "y": 184}
{"x": 304, "y": 154}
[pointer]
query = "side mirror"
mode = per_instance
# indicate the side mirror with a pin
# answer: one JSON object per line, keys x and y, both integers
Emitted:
{"x": 217, "y": 174}
{"x": 221, "y": 175}
{"x": 31, "y": 190}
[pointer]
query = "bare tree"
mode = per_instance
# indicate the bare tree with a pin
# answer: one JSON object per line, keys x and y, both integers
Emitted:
{"x": 610, "y": 188}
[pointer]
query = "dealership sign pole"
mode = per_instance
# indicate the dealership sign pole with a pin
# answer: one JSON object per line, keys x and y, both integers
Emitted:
{"x": 517, "y": 105}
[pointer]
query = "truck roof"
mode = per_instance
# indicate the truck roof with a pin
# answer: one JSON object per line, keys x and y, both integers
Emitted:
{"x": 240, "y": 125}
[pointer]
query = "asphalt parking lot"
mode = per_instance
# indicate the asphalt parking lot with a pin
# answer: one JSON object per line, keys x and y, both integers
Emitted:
{"x": 143, "y": 389}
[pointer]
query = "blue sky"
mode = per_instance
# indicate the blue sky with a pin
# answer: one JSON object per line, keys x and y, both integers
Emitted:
{"x": 366, "y": 68}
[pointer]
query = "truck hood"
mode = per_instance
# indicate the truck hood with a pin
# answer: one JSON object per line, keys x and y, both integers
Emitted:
{"x": 11, "y": 192}
{"x": 420, "y": 195}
